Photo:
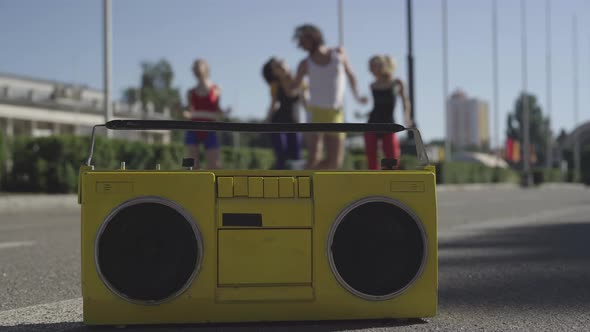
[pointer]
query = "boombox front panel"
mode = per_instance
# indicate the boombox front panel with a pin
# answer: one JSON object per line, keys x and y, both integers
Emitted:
{"x": 103, "y": 192}
{"x": 265, "y": 252}
{"x": 413, "y": 190}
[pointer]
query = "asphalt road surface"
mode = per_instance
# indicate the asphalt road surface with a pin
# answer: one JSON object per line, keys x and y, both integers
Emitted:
{"x": 509, "y": 259}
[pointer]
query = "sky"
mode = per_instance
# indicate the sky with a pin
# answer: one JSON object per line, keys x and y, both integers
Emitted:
{"x": 62, "y": 40}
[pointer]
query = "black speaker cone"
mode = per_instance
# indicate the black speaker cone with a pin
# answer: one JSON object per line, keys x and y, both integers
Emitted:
{"x": 377, "y": 248}
{"x": 148, "y": 251}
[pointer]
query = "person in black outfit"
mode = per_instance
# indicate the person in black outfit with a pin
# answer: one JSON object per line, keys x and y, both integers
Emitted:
{"x": 283, "y": 109}
{"x": 385, "y": 90}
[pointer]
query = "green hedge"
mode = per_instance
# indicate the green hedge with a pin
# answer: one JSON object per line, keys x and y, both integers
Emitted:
{"x": 585, "y": 166}
{"x": 246, "y": 158}
{"x": 2, "y": 159}
{"x": 447, "y": 172}
{"x": 584, "y": 176}
{"x": 50, "y": 164}
{"x": 454, "y": 172}
{"x": 358, "y": 160}
{"x": 541, "y": 175}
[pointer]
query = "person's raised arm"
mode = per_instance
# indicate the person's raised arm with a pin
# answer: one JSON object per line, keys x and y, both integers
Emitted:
{"x": 351, "y": 77}
{"x": 222, "y": 112}
{"x": 187, "y": 114}
{"x": 286, "y": 82}
{"x": 273, "y": 104}
{"x": 301, "y": 72}
{"x": 399, "y": 85}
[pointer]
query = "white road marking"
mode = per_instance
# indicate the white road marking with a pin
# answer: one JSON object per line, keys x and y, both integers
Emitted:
{"x": 16, "y": 244}
{"x": 537, "y": 218}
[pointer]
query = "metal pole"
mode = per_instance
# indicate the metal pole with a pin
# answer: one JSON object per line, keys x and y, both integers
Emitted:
{"x": 108, "y": 111}
{"x": 411, "y": 65}
{"x": 497, "y": 143}
{"x": 445, "y": 65}
{"x": 525, "y": 101}
{"x": 340, "y": 24}
{"x": 549, "y": 153}
{"x": 341, "y": 43}
{"x": 575, "y": 76}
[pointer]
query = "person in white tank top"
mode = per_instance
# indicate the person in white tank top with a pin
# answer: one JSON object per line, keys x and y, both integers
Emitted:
{"x": 325, "y": 69}
{"x": 326, "y": 82}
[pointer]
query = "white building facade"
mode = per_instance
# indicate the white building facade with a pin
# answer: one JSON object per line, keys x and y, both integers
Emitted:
{"x": 36, "y": 107}
{"x": 467, "y": 122}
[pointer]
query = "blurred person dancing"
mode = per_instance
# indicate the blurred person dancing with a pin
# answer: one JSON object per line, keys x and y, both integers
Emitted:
{"x": 385, "y": 90}
{"x": 325, "y": 68}
{"x": 283, "y": 109}
{"x": 203, "y": 105}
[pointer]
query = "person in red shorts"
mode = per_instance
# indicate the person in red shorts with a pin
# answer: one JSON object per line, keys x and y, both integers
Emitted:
{"x": 385, "y": 90}
{"x": 203, "y": 105}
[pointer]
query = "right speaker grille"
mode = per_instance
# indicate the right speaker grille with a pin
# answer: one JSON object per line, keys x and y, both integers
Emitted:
{"x": 377, "y": 248}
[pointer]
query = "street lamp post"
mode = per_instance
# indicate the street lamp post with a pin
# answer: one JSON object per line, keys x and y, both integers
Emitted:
{"x": 410, "y": 64}
{"x": 341, "y": 41}
{"x": 497, "y": 143}
{"x": 526, "y": 168}
{"x": 577, "y": 159}
{"x": 340, "y": 24}
{"x": 549, "y": 153}
{"x": 445, "y": 65}
{"x": 108, "y": 110}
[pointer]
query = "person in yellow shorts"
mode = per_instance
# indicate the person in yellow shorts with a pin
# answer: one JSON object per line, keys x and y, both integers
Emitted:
{"x": 325, "y": 69}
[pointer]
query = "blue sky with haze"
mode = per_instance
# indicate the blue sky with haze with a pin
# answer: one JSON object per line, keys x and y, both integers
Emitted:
{"x": 62, "y": 40}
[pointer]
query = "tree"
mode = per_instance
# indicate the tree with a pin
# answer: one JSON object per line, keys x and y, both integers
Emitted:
{"x": 538, "y": 128}
{"x": 156, "y": 88}
{"x": 561, "y": 137}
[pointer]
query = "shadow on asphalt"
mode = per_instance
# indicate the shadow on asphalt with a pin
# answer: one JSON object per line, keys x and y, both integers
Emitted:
{"x": 518, "y": 267}
{"x": 322, "y": 326}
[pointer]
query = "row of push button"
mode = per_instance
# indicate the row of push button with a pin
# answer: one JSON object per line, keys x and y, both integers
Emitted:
{"x": 263, "y": 187}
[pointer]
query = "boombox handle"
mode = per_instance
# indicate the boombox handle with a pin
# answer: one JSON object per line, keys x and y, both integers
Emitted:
{"x": 260, "y": 128}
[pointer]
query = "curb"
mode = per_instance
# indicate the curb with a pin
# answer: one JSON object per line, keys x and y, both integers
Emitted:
{"x": 563, "y": 185}
{"x": 16, "y": 203}
{"x": 506, "y": 186}
{"x": 475, "y": 186}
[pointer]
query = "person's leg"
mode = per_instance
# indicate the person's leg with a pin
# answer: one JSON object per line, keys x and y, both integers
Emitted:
{"x": 212, "y": 156}
{"x": 333, "y": 142}
{"x": 371, "y": 150}
{"x": 193, "y": 152}
{"x": 278, "y": 145}
{"x": 313, "y": 150}
{"x": 391, "y": 148}
{"x": 192, "y": 146}
{"x": 212, "y": 151}
{"x": 293, "y": 146}
{"x": 334, "y": 152}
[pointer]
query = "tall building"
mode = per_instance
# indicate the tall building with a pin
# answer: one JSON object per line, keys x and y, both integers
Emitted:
{"x": 37, "y": 107}
{"x": 467, "y": 122}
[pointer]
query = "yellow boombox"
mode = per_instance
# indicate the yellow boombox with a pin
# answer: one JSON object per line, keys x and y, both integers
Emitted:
{"x": 196, "y": 246}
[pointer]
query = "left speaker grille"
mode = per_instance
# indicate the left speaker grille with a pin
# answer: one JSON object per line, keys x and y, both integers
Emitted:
{"x": 148, "y": 250}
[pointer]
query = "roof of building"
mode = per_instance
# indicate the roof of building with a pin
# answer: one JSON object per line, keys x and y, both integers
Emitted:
{"x": 46, "y": 81}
